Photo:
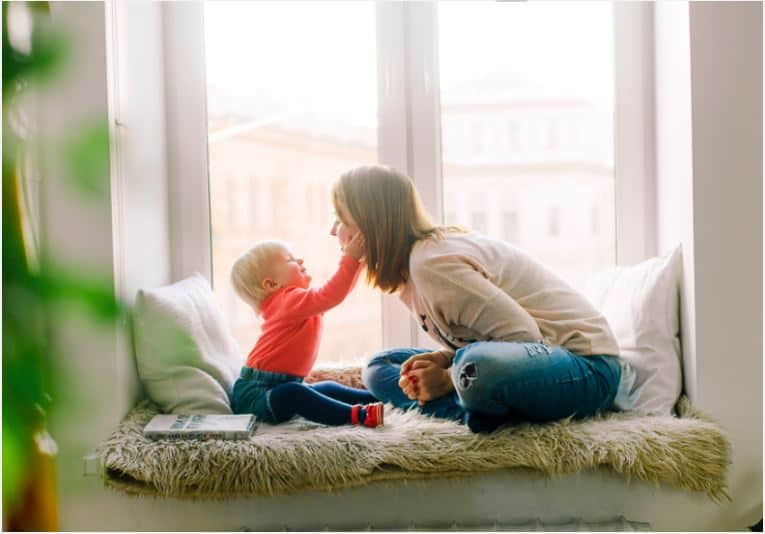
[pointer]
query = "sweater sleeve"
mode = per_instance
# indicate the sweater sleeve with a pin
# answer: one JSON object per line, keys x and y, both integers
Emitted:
{"x": 301, "y": 303}
{"x": 461, "y": 295}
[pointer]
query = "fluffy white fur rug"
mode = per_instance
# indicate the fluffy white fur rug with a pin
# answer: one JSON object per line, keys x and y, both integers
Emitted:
{"x": 689, "y": 452}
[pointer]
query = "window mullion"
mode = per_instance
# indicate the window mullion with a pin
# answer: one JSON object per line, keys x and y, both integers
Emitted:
{"x": 393, "y": 139}
{"x": 186, "y": 127}
{"x": 424, "y": 111}
{"x": 424, "y": 104}
{"x": 634, "y": 134}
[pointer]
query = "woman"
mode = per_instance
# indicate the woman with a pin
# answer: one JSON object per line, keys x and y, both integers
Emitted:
{"x": 519, "y": 344}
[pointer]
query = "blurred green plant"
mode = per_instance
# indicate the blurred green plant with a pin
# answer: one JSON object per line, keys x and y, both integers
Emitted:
{"x": 35, "y": 285}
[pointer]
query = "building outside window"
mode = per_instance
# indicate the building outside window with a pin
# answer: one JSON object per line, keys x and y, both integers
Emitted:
{"x": 546, "y": 72}
{"x": 297, "y": 117}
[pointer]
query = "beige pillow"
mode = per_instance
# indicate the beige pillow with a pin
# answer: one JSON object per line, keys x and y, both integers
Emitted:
{"x": 187, "y": 359}
{"x": 641, "y": 304}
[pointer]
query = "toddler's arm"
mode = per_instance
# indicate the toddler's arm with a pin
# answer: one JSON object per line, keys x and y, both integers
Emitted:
{"x": 307, "y": 302}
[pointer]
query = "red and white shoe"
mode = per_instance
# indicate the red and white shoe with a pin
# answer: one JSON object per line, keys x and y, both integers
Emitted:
{"x": 375, "y": 414}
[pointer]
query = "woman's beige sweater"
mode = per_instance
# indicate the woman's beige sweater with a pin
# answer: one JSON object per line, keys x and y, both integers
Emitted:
{"x": 469, "y": 287}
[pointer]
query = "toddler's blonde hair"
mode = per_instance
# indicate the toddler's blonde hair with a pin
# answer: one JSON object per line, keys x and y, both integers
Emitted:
{"x": 251, "y": 268}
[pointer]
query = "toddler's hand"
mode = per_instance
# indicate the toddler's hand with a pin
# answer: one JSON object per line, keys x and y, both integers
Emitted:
{"x": 355, "y": 247}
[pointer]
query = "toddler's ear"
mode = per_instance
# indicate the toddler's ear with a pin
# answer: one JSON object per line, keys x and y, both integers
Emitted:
{"x": 268, "y": 284}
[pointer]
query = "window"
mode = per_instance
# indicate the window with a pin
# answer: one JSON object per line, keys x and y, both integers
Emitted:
{"x": 296, "y": 116}
{"x": 539, "y": 68}
{"x": 514, "y": 101}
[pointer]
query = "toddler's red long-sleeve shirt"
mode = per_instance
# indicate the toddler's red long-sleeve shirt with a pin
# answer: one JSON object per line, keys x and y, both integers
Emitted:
{"x": 289, "y": 339}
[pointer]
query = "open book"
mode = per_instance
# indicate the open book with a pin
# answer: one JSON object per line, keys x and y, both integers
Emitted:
{"x": 199, "y": 427}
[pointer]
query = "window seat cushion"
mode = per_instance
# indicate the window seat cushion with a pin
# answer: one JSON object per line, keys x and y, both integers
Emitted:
{"x": 689, "y": 452}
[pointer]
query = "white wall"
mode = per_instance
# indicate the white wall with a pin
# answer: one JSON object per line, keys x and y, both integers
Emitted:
{"x": 123, "y": 235}
{"x": 726, "y": 82}
{"x": 77, "y": 230}
{"x": 709, "y": 168}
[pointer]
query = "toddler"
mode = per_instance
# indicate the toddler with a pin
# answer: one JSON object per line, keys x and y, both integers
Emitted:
{"x": 275, "y": 283}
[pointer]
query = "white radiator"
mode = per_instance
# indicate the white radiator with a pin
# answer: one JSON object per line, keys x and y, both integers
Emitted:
{"x": 619, "y": 524}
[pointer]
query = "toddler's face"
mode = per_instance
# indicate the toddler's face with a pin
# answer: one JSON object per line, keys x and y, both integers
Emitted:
{"x": 288, "y": 270}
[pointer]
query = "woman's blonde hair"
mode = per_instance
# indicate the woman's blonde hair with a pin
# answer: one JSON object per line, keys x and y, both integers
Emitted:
{"x": 251, "y": 268}
{"x": 387, "y": 209}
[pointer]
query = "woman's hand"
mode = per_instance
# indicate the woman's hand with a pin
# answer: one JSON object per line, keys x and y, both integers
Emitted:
{"x": 442, "y": 358}
{"x": 425, "y": 377}
{"x": 355, "y": 247}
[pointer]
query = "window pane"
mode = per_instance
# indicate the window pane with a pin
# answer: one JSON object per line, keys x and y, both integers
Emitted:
{"x": 291, "y": 105}
{"x": 527, "y": 127}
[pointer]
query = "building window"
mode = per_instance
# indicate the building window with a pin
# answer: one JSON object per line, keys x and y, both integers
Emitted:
{"x": 553, "y": 135}
{"x": 254, "y": 201}
{"x": 513, "y": 136}
{"x": 477, "y": 140}
{"x": 230, "y": 201}
{"x": 553, "y": 226}
{"x": 266, "y": 204}
{"x": 478, "y": 221}
{"x": 510, "y": 229}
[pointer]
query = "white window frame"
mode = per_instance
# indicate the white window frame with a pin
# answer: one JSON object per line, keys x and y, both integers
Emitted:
{"x": 186, "y": 127}
{"x": 634, "y": 133}
{"x": 409, "y": 131}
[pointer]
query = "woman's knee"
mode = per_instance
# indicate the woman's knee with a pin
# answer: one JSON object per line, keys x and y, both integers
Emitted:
{"x": 383, "y": 366}
{"x": 377, "y": 360}
{"x": 480, "y": 367}
{"x": 504, "y": 353}
{"x": 468, "y": 379}
{"x": 395, "y": 356}
{"x": 373, "y": 375}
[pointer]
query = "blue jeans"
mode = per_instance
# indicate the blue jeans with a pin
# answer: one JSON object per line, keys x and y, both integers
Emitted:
{"x": 278, "y": 397}
{"x": 508, "y": 382}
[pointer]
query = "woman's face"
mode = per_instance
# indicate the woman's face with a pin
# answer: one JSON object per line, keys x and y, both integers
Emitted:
{"x": 344, "y": 227}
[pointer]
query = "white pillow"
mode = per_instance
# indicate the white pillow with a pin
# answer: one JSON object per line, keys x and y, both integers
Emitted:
{"x": 186, "y": 357}
{"x": 641, "y": 305}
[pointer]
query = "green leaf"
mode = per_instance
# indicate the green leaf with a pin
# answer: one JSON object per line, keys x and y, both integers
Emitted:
{"x": 87, "y": 156}
{"x": 47, "y": 58}
{"x": 15, "y": 460}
